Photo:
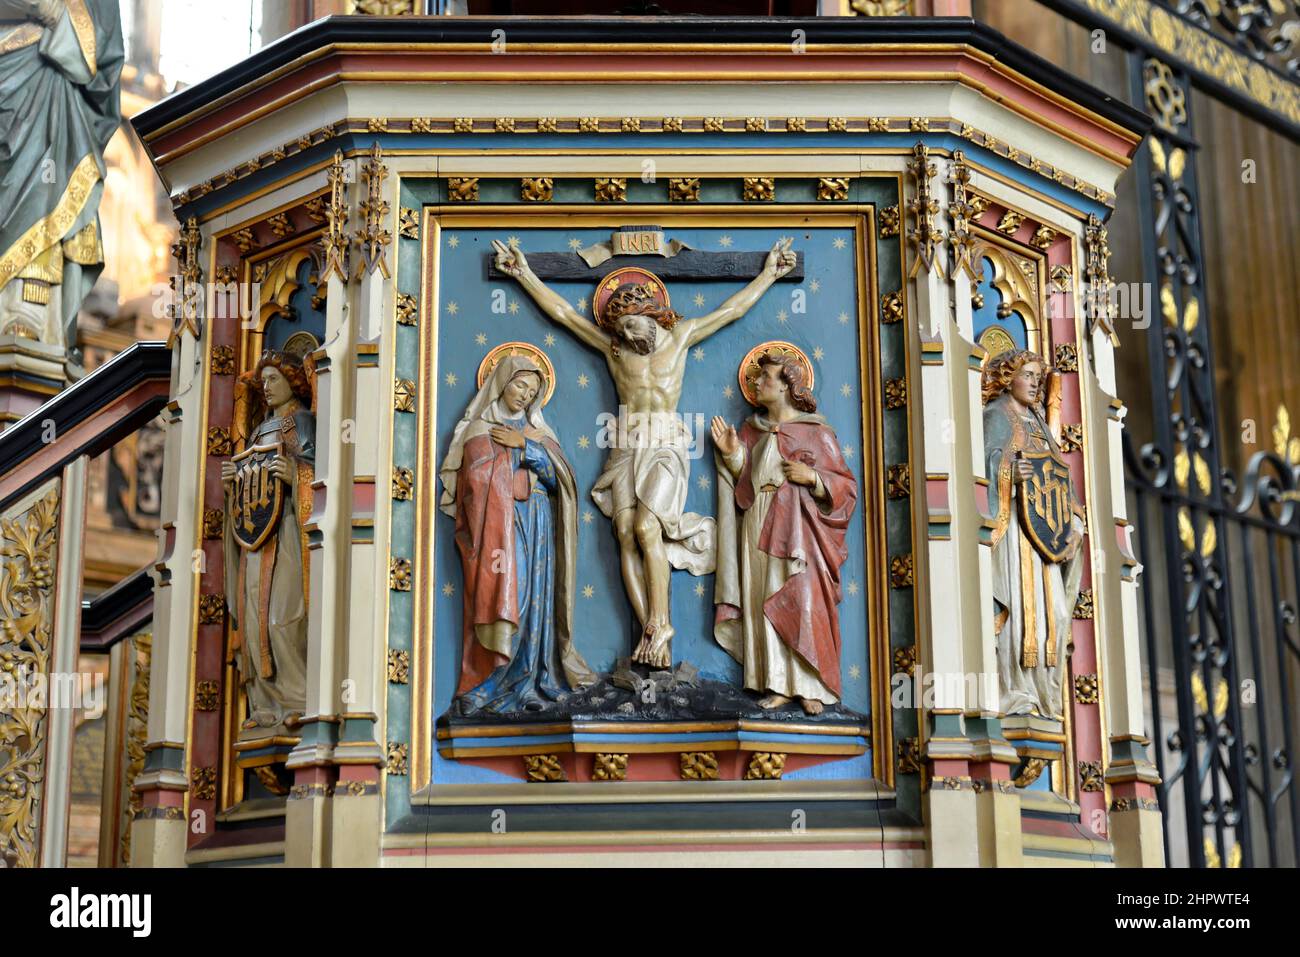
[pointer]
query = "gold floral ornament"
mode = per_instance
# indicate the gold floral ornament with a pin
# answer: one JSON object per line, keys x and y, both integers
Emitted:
{"x": 399, "y": 666}
{"x": 765, "y": 765}
{"x": 685, "y": 190}
{"x": 463, "y": 189}
{"x": 759, "y": 189}
{"x": 526, "y": 349}
{"x": 536, "y": 189}
{"x": 1085, "y": 689}
{"x": 832, "y": 188}
{"x": 611, "y": 190}
{"x": 900, "y": 571}
{"x": 699, "y": 766}
{"x": 543, "y": 767}
{"x": 28, "y": 544}
{"x": 609, "y": 767}
{"x": 908, "y": 753}
{"x": 889, "y": 222}
{"x": 399, "y": 574}
{"x": 777, "y": 349}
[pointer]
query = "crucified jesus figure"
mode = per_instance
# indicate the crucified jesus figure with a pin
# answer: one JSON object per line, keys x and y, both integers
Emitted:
{"x": 647, "y": 475}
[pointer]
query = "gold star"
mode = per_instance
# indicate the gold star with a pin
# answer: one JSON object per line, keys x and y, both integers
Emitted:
{"x": 513, "y": 242}
{"x": 846, "y": 390}
{"x": 838, "y": 242}
{"x": 449, "y": 589}
{"x": 724, "y": 242}
{"x": 818, "y": 353}
{"x": 699, "y": 589}
{"x": 848, "y": 451}
{"x": 587, "y": 517}
{"x": 851, "y": 588}
{"x": 584, "y": 442}
{"x": 699, "y": 299}
{"x": 728, "y": 392}
{"x": 581, "y": 303}
{"x": 453, "y": 241}
{"x": 782, "y": 316}
{"x": 703, "y": 483}
{"x": 452, "y": 308}
{"x": 815, "y": 285}
{"x": 549, "y": 339}
{"x": 575, "y": 243}
{"x": 844, "y": 318}
{"x": 588, "y": 591}
{"x": 699, "y": 353}
{"x": 583, "y": 381}
{"x": 514, "y": 306}
{"x": 451, "y": 378}
{"x": 481, "y": 339}
{"x": 855, "y": 672}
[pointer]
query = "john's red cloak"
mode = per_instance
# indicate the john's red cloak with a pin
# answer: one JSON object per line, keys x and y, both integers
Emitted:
{"x": 804, "y": 611}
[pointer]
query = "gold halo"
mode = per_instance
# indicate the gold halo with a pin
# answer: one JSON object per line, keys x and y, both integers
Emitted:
{"x": 519, "y": 349}
{"x": 749, "y": 365}
{"x": 611, "y": 281}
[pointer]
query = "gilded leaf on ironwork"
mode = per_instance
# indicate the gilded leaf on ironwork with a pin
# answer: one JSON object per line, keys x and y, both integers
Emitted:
{"x": 1199, "y": 696}
{"x": 1182, "y": 466}
{"x": 1168, "y": 308}
{"x": 1209, "y": 539}
{"x": 1293, "y": 449}
{"x": 1221, "y": 698}
{"x": 1186, "y": 534}
{"x": 1191, "y": 314}
{"x": 1158, "y": 155}
{"x": 1234, "y": 856}
{"x": 1281, "y": 430}
{"x": 1202, "y": 474}
{"x": 1212, "y": 858}
{"x": 1177, "y": 162}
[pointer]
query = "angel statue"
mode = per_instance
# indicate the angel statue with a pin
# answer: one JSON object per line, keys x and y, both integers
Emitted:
{"x": 1037, "y": 562}
{"x": 268, "y": 498}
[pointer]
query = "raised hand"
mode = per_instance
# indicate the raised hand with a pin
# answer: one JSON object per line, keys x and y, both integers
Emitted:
{"x": 724, "y": 436}
{"x": 781, "y": 259}
{"x": 510, "y": 261}
{"x": 282, "y": 468}
{"x": 228, "y": 471}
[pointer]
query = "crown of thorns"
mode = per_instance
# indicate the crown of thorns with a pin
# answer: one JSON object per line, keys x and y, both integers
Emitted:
{"x": 629, "y": 295}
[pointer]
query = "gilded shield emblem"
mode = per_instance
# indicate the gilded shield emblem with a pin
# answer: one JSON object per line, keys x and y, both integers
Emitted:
{"x": 1046, "y": 506}
{"x": 257, "y": 497}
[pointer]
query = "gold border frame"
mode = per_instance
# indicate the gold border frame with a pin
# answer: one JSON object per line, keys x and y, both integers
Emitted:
{"x": 860, "y": 217}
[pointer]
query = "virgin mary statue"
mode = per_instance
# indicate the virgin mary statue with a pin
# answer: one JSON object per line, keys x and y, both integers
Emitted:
{"x": 511, "y": 491}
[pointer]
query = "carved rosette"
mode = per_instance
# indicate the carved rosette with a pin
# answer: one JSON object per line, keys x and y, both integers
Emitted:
{"x": 684, "y": 190}
{"x": 699, "y": 766}
{"x": 765, "y": 765}
{"x": 609, "y": 767}
{"x": 542, "y": 768}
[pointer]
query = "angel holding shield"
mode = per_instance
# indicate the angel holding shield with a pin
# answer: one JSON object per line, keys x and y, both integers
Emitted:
{"x": 268, "y": 498}
{"x": 1037, "y": 563}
